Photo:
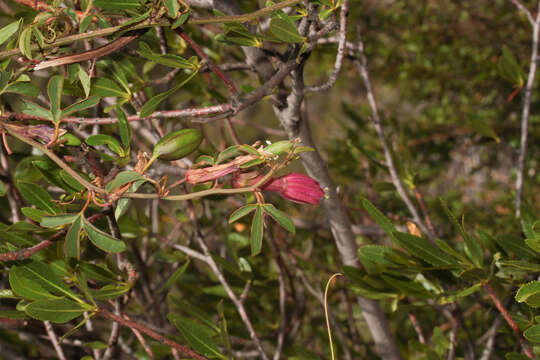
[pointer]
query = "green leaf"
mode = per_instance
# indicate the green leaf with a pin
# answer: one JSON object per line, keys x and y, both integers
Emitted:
{"x": 279, "y": 147}
{"x": 54, "y": 90}
{"x": 374, "y": 258}
{"x": 423, "y": 249}
{"x": 57, "y": 220}
{"x": 509, "y": 68}
{"x": 241, "y": 212}
{"x": 109, "y": 292}
{"x": 106, "y": 88}
{"x": 407, "y": 286}
{"x": 170, "y": 60}
{"x": 198, "y": 336}
{"x": 97, "y": 273}
{"x": 529, "y": 293}
{"x": 124, "y": 128}
{"x": 181, "y": 20}
{"x": 281, "y": 218}
{"x": 103, "y": 139}
{"x": 7, "y": 31}
{"x": 379, "y": 217}
{"x": 73, "y": 241}
{"x": 33, "y": 109}
{"x": 117, "y": 4}
{"x": 55, "y": 310}
{"x": 176, "y": 275}
{"x": 3, "y": 189}
{"x": 80, "y": 106}
{"x": 513, "y": 244}
{"x": 533, "y": 333}
{"x": 85, "y": 80}
{"x": 25, "y": 42}
{"x": 23, "y": 88}
{"x": 46, "y": 276}
{"x": 33, "y": 213}
{"x": 473, "y": 246}
{"x": 172, "y": 8}
{"x": 123, "y": 178}
{"x": 149, "y": 107}
{"x": 38, "y": 196}
{"x": 26, "y": 287}
{"x": 257, "y": 231}
{"x": 103, "y": 240}
{"x": 285, "y": 31}
{"x": 515, "y": 356}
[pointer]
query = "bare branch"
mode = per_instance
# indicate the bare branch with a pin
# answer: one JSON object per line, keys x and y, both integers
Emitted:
{"x": 526, "y": 11}
{"x": 527, "y": 111}
{"x": 361, "y": 65}
{"x": 54, "y": 340}
{"x": 342, "y": 49}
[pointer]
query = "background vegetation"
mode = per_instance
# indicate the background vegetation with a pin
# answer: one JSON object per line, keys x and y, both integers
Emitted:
{"x": 123, "y": 235}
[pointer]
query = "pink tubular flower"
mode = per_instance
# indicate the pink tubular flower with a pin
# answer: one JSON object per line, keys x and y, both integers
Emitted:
{"x": 296, "y": 187}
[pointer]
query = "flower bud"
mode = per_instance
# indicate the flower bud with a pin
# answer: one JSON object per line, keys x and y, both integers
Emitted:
{"x": 296, "y": 187}
{"x": 178, "y": 144}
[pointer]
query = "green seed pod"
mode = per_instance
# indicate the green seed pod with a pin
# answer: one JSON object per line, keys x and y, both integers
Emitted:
{"x": 177, "y": 144}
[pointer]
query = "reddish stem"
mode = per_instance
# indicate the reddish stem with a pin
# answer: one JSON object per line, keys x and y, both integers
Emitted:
{"x": 513, "y": 325}
{"x": 209, "y": 62}
{"x": 154, "y": 335}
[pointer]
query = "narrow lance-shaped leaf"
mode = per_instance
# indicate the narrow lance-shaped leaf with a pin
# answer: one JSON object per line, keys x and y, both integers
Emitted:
{"x": 8, "y": 30}
{"x": 103, "y": 240}
{"x": 198, "y": 336}
{"x": 257, "y": 231}
{"x": 241, "y": 212}
{"x": 54, "y": 90}
{"x": 27, "y": 288}
{"x": 55, "y": 310}
{"x": 280, "y": 217}
{"x": 38, "y": 196}
{"x": 151, "y": 105}
{"x": 73, "y": 242}
{"x": 80, "y": 106}
{"x": 124, "y": 128}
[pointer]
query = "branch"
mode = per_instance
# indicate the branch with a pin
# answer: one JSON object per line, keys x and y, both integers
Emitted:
{"x": 513, "y": 325}
{"x": 153, "y": 334}
{"x": 54, "y": 340}
{"x": 526, "y": 111}
{"x": 526, "y": 11}
{"x": 147, "y": 24}
{"x": 209, "y": 62}
{"x": 340, "y": 53}
{"x": 363, "y": 70}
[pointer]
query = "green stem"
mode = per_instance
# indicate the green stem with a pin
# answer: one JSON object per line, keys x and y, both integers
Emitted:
{"x": 203, "y": 193}
{"x": 114, "y": 29}
{"x": 54, "y": 158}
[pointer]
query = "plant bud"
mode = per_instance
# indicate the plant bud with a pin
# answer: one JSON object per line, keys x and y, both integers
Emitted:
{"x": 177, "y": 144}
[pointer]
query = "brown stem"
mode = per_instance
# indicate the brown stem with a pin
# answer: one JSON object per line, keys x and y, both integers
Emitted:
{"x": 153, "y": 334}
{"x": 88, "y": 55}
{"x": 209, "y": 62}
{"x": 513, "y": 325}
{"x": 26, "y": 253}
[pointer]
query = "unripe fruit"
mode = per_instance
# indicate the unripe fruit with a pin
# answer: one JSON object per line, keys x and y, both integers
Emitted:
{"x": 177, "y": 144}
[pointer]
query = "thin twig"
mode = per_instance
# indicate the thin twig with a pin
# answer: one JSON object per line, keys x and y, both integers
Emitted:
{"x": 208, "y": 61}
{"x": 147, "y": 24}
{"x": 417, "y": 328}
{"x": 361, "y": 64}
{"x": 526, "y": 11}
{"x": 54, "y": 340}
{"x": 342, "y": 49}
{"x": 513, "y": 325}
{"x": 527, "y": 110}
{"x": 491, "y": 335}
{"x": 153, "y": 334}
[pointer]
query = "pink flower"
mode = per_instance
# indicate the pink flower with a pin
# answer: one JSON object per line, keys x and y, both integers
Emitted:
{"x": 296, "y": 187}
